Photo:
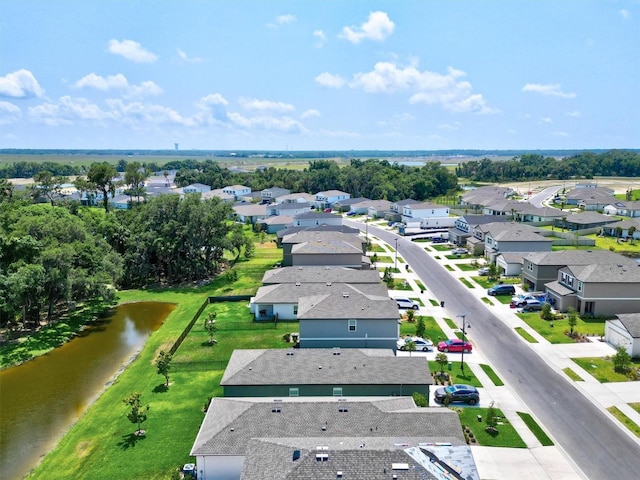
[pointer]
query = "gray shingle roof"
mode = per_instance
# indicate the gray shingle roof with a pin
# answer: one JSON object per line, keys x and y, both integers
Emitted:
{"x": 319, "y": 228}
{"x": 231, "y": 423}
{"x": 352, "y": 303}
{"x": 610, "y": 273}
{"x": 288, "y": 293}
{"x": 327, "y": 245}
{"x": 327, "y": 235}
{"x": 631, "y": 322}
{"x": 577, "y": 257}
{"x": 320, "y": 275}
{"x": 583, "y": 218}
{"x": 345, "y": 366}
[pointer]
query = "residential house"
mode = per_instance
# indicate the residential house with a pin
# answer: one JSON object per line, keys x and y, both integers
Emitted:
{"x": 237, "y": 191}
{"x": 320, "y": 228}
{"x": 249, "y": 212}
{"x": 218, "y": 193}
{"x": 395, "y": 209}
{"x": 196, "y": 188}
{"x": 313, "y": 219}
{"x": 269, "y": 195}
{"x": 352, "y": 438}
{"x": 281, "y": 301}
{"x": 319, "y": 274}
{"x": 500, "y": 237}
{"x": 464, "y": 226}
{"x": 629, "y": 209}
{"x": 301, "y": 197}
{"x": 624, "y": 331}
{"x": 540, "y": 268}
{"x": 289, "y": 209}
{"x": 378, "y": 208}
{"x": 592, "y": 196}
{"x": 259, "y": 373}
{"x": 583, "y": 221}
{"x": 510, "y": 263}
{"x": 522, "y": 211}
{"x": 324, "y": 248}
{"x": 626, "y": 226}
{"x": 327, "y": 198}
{"x": 346, "y": 204}
{"x": 353, "y": 318}
{"x": 597, "y": 289}
{"x": 276, "y": 223}
{"x": 477, "y": 198}
{"x": 417, "y": 212}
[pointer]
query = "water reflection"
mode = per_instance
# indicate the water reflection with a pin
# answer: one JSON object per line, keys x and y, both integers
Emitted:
{"x": 40, "y": 399}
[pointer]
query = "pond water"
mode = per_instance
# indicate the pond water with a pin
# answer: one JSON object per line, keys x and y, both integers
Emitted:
{"x": 41, "y": 398}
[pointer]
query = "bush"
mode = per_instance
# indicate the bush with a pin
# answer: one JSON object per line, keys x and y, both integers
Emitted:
{"x": 420, "y": 400}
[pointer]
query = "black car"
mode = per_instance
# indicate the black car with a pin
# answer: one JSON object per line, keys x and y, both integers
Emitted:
{"x": 458, "y": 393}
{"x": 502, "y": 290}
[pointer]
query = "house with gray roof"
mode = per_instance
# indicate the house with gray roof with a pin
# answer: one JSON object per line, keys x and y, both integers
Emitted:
{"x": 319, "y": 274}
{"x": 353, "y": 318}
{"x": 378, "y": 208}
{"x": 324, "y": 248}
{"x": 630, "y": 228}
{"x": 237, "y": 191}
{"x": 417, "y": 212}
{"x": 249, "y": 212}
{"x": 269, "y": 195}
{"x": 624, "y": 331}
{"x": 591, "y": 195}
{"x": 540, "y": 268}
{"x": 288, "y": 209}
{"x": 354, "y": 438}
{"x": 301, "y": 197}
{"x": 597, "y": 289}
{"x": 324, "y": 372}
{"x": 501, "y": 237}
{"x": 320, "y": 228}
{"x": 327, "y": 198}
{"x": 583, "y": 221}
{"x": 465, "y": 224}
{"x": 275, "y": 223}
{"x": 314, "y": 218}
{"x": 346, "y": 204}
{"x": 196, "y": 188}
{"x": 219, "y": 193}
{"x": 281, "y": 300}
{"x": 477, "y": 198}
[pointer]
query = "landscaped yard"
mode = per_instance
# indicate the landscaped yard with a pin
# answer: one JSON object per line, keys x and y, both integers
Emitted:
{"x": 554, "y": 331}
{"x": 432, "y": 330}
{"x": 602, "y": 369}
{"x": 506, "y": 436}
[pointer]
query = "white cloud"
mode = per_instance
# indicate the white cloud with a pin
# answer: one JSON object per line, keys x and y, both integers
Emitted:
{"x": 320, "y": 38}
{"x": 573, "y": 113}
{"x": 214, "y": 99}
{"x": 377, "y": 27}
{"x": 265, "y": 105}
{"x": 67, "y": 111}
{"x": 140, "y": 114}
{"x": 9, "y": 113}
{"x": 312, "y": 112}
{"x": 20, "y": 84}
{"x": 624, "y": 13}
{"x": 281, "y": 124}
{"x": 282, "y": 20}
{"x": 450, "y": 126}
{"x": 430, "y": 88}
{"x": 329, "y": 80}
{"x": 131, "y": 51}
{"x": 186, "y": 58}
{"x": 118, "y": 82}
{"x": 553, "y": 90}
{"x": 547, "y": 120}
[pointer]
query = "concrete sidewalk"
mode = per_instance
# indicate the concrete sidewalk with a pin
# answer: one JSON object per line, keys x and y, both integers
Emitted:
{"x": 536, "y": 462}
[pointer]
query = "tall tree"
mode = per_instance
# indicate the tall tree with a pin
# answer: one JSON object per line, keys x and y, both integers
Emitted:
{"x": 48, "y": 186}
{"x": 134, "y": 176}
{"x": 103, "y": 177}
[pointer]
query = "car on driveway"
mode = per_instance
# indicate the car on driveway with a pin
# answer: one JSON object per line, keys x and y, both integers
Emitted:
{"x": 501, "y": 289}
{"x": 404, "y": 302}
{"x": 531, "y": 305}
{"x": 483, "y": 271}
{"x": 454, "y": 345}
{"x": 438, "y": 240}
{"x": 459, "y": 251}
{"x": 458, "y": 393}
{"x": 422, "y": 344}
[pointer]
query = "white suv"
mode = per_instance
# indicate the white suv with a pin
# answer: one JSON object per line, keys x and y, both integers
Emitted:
{"x": 407, "y": 303}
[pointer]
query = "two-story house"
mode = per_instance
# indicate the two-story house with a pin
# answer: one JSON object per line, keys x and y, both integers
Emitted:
{"x": 426, "y": 215}
{"x": 313, "y": 219}
{"x": 324, "y": 248}
{"x": 465, "y": 224}
{"x": 327, "y": 198}
{"x": 196, "y": 188}
{"x": 269, "y": 195}
{"x": 238, "y": 191}
{"x": 289, "y": 209}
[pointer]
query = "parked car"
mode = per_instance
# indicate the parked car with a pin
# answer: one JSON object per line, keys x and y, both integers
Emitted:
{"x": 531, "y": 305}
{"x": 458, "y": 393}
{"x": 327, "y": 210}
{"x": 438, "y": 240}
{"x": 519, "y": 300}
{"x": 459, "y": 251}
{"x": 483, "y": 271}
{"x": 351, "y": 214}
{"x": 454, "y": 345}
{"x": 502, "y": 289}
{"x": 404, "y": 302}
{"x": 422, "y": 344}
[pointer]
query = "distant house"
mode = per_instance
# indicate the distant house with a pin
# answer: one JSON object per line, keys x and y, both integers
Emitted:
{"x": 319, "y": 274}
{"x": 597, "y": 289}
{"x": 583, "y": 221}
{"x": 327, "y": 198}
{"x": 276, "y": 223}
{"x": 378, "y": 208}
{"x": 313, "y": 219}
{"x": 124, "y": 202}
{"x": 415, "y": 212}
{"x": 320, "y": 228}
{"x": 624, "y": 331}
{"x": 301, "y": 197}
{"x": 499, "y": 237}
{"x": 288, "y": 209}
{"x": 343, "y": 438}
{"x": 464, "y": 226}
{"x": 237, "y": 190}
{"x": 324, "y": 248}
{"x": 196, "y": 188}
{"x": 249, "y": 213}
{"x": 218, "y": 193}
{"x": 611, "y": 229}
{"x": 595, "y": 198}
{"x": 346, "y": 204}
{"x": 259, "y": 373}
{"x": 477, "y": 198}
{"x": 540, "y": 268}
{"x": 269, "y": 195}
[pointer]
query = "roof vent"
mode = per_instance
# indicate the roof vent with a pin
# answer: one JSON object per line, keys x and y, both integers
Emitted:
{"x": 338, "y": 474}
{"x": 276, "y": 410}
{"x": 328, "y": 284}
{"x": 322, "y": 457}
{"x": 297, "y": 284}
{"x": 345, "y": 295}
{"x": 296, "y": 455}
{"x": 336, "y": 350}
{"x": 319, "y": 367}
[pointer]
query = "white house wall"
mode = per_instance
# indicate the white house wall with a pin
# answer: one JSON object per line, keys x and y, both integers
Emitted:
{"x": 219, "y": 467}
{"x": 617, "y": 335}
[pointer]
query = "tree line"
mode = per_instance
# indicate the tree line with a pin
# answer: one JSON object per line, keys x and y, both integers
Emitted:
{"x": 612, "y": 163}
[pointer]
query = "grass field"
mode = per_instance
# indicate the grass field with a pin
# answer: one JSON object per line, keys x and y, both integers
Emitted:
{"x": 554, "y": 331}
{"x": 602, "y": 369}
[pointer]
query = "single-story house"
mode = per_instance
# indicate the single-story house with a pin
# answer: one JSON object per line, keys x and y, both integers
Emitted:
{"x": 319, "y": 274}
{"x": 290, "y": 209}
{"x": 325, "y": 372}
{"x": 313, "y": 219}
{"x": 583, "y": 221}
{"x": 510, "y": 263}
{"x": 196, "y": 188}
{"x": 300, "y": 197}
{"x": 218, "y": 193}
{"x": 624, "y": 331}
{"x": 378, "y": 208}
{"x": 477, "y": 198}
{"x": 355, "y": 437}
{"x": 595, "y": 197}
{"x": 511, "y": 237}
{"x": 249, "y": 212}
{"x": 275, "y": 223}
{"x": 611, "y": 229}
{"x": 346, "y": 204}
{"x": 320, "y": 228}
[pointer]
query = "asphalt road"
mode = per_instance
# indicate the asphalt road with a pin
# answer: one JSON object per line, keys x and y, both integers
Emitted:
{"x": 538, "y": 199}
{"x": 599, "y": 448}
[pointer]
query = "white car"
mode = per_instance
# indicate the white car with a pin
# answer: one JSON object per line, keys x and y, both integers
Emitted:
{"x": 422, "y": 344}
{"x": 407, "y": 303}
{"x": 459, "y": 251}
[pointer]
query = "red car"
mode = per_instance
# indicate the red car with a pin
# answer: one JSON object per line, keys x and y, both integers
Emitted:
{"x": 454, "y": 345}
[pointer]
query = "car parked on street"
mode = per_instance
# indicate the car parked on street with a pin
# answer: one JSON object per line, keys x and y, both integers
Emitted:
{"x": 459, "y": 251}
{"x": 404, "y": 302}
{"x": 458, "y": 393}
{"x": 422, "y": 344}
{"x": 455, "y": 345}
{"x": 501, "y": 289}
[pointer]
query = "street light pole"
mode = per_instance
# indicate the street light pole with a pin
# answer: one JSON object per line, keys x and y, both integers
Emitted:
{"x": 464, "y": 326}
{"x": 395, "y": 265}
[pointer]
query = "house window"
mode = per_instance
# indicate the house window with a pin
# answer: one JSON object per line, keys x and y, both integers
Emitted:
{"x": 579, "y": 286}
{"x": 589, "y": 307}
{"x": 294, "y": 392}
{"x": 337, "y": 391}
{"x": 352, "y": 325}
{"x": 530, "y": 266}
{"x": 295, "y": 309}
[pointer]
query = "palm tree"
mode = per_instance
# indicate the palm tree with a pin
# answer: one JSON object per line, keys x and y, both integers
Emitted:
{"x": 630, "y": 232}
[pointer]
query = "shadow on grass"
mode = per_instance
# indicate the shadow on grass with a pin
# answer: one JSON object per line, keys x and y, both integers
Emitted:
{"x": 130, "y": 441}
{"x": 162, "y": 388}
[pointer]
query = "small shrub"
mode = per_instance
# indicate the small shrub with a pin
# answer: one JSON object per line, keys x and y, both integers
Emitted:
{"x": 420, "y": 400}
{"x": 286, "y": 337}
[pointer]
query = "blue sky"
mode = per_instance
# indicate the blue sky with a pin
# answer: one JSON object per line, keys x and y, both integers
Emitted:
{"x": 319, "y": 75}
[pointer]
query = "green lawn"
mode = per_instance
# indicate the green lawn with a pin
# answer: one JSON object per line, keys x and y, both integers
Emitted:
{"x": 457, "y": 376}
{"x": 432, "y": 330}
{"x": 602, "y": 369}
{"x": 554, "y": 331}
{"x": 626, "y": 421}
{"x": 524, "y": 334}
{"x": 467, "y": 267}
{"x": 484, "y": 281}
{"x": 540, "y": 434}
{"x": 506, "y": 436}
{"x": 467, "y": 283}
{"x": 492, "y": 375}
{"x": 572, "y": 375}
